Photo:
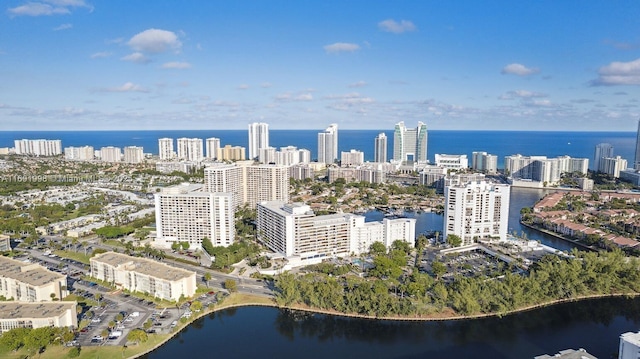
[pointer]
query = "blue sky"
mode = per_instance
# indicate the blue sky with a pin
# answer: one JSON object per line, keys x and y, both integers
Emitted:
{"x": 474, "y": 65}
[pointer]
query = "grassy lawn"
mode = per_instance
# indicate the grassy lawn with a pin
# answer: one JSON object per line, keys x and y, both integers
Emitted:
{"x": 79, "y": 256}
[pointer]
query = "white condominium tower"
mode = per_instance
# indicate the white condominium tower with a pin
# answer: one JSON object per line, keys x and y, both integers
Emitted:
{"x": 484, "y": 162}
{"x": 213, "y": 146}
{"x": 110, "y": 154}
{"x": 249, "y": 184}
{"x": 184, "y": 213}
{"x": 133, "y": 154}
{"x": 410, "y": 144}
{"x": 603, "y": 150}
{"x": 85, "y": 153}
{"x": 475, "y": 209}
{"x": 165, "y": 148}
{"x": 38, "y": 147}
{"x": 328, "y": 144}
{"x": 258, "y": 138}
{"x": 190, "y": 149}
{"x": 380, "y": 148}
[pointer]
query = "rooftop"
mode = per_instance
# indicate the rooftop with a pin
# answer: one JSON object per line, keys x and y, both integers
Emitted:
{"x": 19, "y": 310}
{"x": 143, "y": 266}
{"x": 33, "y": 274}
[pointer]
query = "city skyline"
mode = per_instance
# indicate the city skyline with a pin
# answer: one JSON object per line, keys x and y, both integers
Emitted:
{"x": 190, "y": 65}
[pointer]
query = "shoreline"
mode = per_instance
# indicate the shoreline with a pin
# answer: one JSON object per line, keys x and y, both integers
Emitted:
{"x": 249, "y": 303}
{"x": 559, "y": 236}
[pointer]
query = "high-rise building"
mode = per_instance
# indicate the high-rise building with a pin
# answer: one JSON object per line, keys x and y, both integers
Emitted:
{"x": 410, "y": 144}
{"x": 452, "y": 162}
{"x": 85, "y": 153}
{"x": 613, "y": 165}
{"x": 543, "y": 169}
{"x": 475, "y": 209}
{"x": 38, "y": 147}
{"x": 213, "y": 146}
{"x": 351, "y": 158}
{"x": 629, "y": 346}
{"x": 602, "y": 150}
{"x": 249, "y": 184}
{"x": 258, "y": 138}
{"x": 380, "y": 148}
{"x": 190, "y": 149}
{"x": 231, "y": 153}
{"x": 110, "y": 154}
{"x": 184, "y": 213}
{"x": 484, "y": 162}
{"x": 293, "y": 229}
{"x": 267, "y": 155}
{"x": 328, "y": 144}
{"x": 165, "y": 149}
{"x": 133, "y": 154}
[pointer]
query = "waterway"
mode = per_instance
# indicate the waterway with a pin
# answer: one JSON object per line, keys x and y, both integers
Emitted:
{"x": 262, "y": 332}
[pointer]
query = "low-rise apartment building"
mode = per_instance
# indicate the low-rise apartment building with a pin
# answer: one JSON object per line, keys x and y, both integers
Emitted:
{"x": 37, "y": 315}
{"x": 144, "y": 275}
{"x": 30, "y": 282}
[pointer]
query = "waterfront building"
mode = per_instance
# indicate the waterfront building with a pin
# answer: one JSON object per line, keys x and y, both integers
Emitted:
{"x": 613, "y": 166}
{"x": 231, "y": 153}
{"x": 351, "y": 158}
{"x": 249, "y": 184}
{"x": 110, "y": 154}
{"x": 180, "y": 166}
{"x": 190, "y": 149}
{"x": 30, "y": 282}
{"x": 38, "y": 147}
{"x": 543, "y": 169}
{"x": 213, "y": 145}
{"x": 184, "y": 213}
{"x": 328, "y": 145}
{"x": 85, "y": 153}
{"x": 267, "y": 155}
{"x": 293, "y": 230}
{"x": 380, "y": 148}
{"x": 475, "y": 209}
{"x": 484, "y": 162}
{"x": 452, "y": 162}
{"x": 165, "y": 149}
{"x": 365, "y": 173}
{"x": 410, "y": 144}
{"x": 629, "y": 346}
{"x": 133, "y": 154}
{"x": 143, "y": 275}
{"x": 15, "y": 315}
{"x": 258, "y": 138}
{"x": 603, "y": 150}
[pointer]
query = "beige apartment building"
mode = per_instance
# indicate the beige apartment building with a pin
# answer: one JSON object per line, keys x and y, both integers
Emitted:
{"x": 30, "y": 282}
{"x": 37, "y": 315}
{"x": 144, "y": 275}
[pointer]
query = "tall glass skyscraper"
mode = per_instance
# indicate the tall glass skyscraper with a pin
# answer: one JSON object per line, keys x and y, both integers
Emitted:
{"x": 410, "y": 144}
{"x": 380, "y": 148}
{"x": 258, "y": 138}
{"x": 328, "y": 144}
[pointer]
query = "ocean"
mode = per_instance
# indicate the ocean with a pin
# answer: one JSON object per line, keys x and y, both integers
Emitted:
{"x": 500, "y": 143}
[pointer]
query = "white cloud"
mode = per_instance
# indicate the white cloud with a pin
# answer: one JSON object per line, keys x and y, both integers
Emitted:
{"x": 126, "y": 87}
{"x": 521, "y": 94}
{"x": 288, "y": 97}
{"x": 341, "y": 47}
{"x": 243, "y": 87}
{"x": 358, "y": 84}
{"x": 518, "y": 69}
{"x": 136, "y": 57}
{"x": 63, "y": 27}
{"x": 98, "y": 55}
{"x": 47, "y": 7}
{"x": 395, "y": 27}
{"x": 176, "y": 65}
{"x": 619, "y": 73}
{"x": 155, "y": 41}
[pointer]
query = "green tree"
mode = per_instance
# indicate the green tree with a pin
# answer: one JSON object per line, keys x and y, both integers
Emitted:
{"x": 196, "y": 306}
{"x": 454, "y": 240}
{"x": 377, "y": 248}
{"x": 207, "y": 278}
{"x": 147, "y": 324}
{"x": 137, "y": 336}
{"x": 230, "y": 285}
{"x": 438, "y": 269}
